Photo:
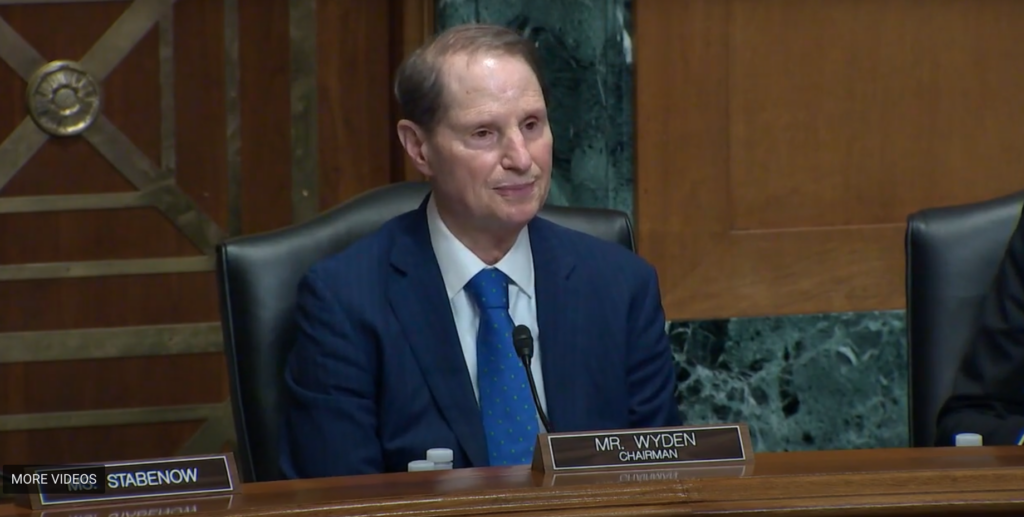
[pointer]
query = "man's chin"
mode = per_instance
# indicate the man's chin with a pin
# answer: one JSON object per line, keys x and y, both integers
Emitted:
{"x": 520, "y": 215}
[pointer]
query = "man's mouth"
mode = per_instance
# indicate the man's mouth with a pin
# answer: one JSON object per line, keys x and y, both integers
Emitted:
{"x": 517, "y": 189}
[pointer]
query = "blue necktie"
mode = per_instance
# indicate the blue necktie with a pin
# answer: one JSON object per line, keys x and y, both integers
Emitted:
{"x": 506, "y": 403}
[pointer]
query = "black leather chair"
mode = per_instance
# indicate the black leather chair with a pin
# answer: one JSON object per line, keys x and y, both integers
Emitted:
{"x": 952, "y": 254}
{"x": 257, "y": 277}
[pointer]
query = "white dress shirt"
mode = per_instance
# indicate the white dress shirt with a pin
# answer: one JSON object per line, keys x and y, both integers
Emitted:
{"x": 459, "y": 265}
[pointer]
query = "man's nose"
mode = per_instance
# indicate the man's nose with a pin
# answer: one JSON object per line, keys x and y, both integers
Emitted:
{"x": 517, "y": 156}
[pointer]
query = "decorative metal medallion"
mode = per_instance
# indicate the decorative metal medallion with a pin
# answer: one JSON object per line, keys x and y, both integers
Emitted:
{"x": 63, "y": 99}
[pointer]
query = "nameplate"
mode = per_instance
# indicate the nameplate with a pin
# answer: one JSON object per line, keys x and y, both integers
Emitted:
{"x": 632, "y": 448}
{"x": 122, "y": 482}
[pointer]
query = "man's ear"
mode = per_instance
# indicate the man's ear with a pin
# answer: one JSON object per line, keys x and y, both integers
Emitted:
{"x": 414, "y": 140}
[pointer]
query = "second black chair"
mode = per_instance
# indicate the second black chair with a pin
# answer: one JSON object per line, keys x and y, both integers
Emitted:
{"x": 257, "y": 280}
{"x": 952, "y": 254}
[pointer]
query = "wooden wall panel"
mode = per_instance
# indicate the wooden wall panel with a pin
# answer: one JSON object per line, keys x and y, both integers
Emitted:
{"x": 162, "y": 385}
{"x": 358, "y": 145}
{"x": 265, "y": 97}
{"x": 109, "y": 337}
{"x": 201, "y": 119}
{"x": 111, "y": 443}
{"x": 355, "y": 131}
{"x": 781, "y": 145}
{"x": 131, "y": 101}
{"x": 413, "y": 26}
{"x": 75, "y": 303}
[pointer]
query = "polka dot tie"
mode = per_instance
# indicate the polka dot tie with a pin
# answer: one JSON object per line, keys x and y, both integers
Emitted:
{"x": 506, "y": 403}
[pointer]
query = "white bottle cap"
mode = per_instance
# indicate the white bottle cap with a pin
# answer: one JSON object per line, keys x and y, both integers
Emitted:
{"x": 440, "y": 455}
{"x": 420, "y": 466}
{"x": 442, "y": 466}
{"x": 968, "y": 440}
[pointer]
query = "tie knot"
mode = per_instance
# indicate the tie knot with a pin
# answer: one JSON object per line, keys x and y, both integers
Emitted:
{"x": 489, "y": 289}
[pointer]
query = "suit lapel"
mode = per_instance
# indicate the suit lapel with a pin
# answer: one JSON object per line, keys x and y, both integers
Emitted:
{"x": 557, "y": 322}
{"x": 420, "y": 303}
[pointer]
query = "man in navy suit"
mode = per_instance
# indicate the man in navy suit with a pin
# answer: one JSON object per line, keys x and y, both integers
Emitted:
{"x": 404, "y": 339}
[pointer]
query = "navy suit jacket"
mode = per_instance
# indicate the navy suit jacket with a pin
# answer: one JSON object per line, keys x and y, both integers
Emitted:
{"x": 377, "y": 375}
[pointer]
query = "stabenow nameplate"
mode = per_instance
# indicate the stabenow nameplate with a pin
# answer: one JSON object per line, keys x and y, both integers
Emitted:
{"x": 679, "y": 446}
{"x": 65, "y": 485}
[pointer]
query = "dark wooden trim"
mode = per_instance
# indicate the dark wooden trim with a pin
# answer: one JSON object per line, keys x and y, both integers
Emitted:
{"x": 412, "y": 25}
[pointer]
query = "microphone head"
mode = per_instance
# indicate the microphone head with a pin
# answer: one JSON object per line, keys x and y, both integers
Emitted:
{"x": 522, "y": 339}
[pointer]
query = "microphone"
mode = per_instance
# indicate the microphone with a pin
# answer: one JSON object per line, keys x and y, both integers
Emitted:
{"x": 522, "y": 339}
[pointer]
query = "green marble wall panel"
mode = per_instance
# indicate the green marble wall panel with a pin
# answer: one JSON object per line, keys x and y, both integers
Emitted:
{"x": 826, "y": 381}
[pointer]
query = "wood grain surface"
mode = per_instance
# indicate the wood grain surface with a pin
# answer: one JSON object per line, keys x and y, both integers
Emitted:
{"x": 878, "y": 482}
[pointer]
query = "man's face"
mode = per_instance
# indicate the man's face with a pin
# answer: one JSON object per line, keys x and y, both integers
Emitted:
{"x": 489, "y": 158}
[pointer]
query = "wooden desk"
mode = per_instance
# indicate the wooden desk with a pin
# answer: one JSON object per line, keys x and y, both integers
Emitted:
{"x": 880, "y": 482}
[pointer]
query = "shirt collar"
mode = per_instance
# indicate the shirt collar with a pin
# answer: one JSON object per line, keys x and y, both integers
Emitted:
{"x": 458, "y": 264}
